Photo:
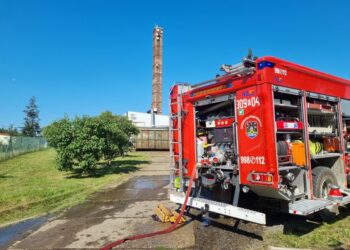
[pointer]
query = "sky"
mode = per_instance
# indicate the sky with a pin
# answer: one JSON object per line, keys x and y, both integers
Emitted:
{"x": 83, "y": 57}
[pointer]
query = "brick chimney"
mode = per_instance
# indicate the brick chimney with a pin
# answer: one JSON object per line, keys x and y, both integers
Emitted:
{"x": 157, "y": 70}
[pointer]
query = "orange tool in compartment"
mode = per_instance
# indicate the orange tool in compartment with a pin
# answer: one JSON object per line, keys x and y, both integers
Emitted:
{"x": 331, "y": 144}
{"x": 298, "y": 153}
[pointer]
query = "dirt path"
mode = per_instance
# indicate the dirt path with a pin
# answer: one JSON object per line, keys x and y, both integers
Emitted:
{"x": 127, "y": 209}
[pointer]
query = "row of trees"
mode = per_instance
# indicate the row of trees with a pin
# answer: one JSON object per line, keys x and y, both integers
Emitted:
{"x": 11, "y": 130}
{"x": 84, "y": 141}
{"x": 31, "y": 125}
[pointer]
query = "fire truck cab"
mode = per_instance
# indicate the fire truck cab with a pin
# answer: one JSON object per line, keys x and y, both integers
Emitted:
{"x": 267, "y": 126}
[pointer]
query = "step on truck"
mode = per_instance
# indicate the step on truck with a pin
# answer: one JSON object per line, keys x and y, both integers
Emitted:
{"x": 267, "y": 127}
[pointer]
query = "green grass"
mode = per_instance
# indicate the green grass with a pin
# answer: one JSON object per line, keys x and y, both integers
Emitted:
{"x": 303, "y": 233}
{"x": 31, "y": 185}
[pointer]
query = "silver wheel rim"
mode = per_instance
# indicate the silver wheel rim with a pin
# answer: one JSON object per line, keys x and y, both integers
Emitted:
{"x": 325, "y": 188}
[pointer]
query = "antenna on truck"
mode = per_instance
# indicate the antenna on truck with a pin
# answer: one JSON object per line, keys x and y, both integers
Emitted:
{"x": 246, "y": 67}
{"x": 250, "y": 55}
{"x": 247, "y": 63}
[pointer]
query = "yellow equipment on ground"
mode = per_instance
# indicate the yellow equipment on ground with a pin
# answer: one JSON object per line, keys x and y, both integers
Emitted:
{"x": 165, "y": 214}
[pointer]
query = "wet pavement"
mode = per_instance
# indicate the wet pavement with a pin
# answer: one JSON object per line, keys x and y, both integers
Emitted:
{"x": 116, "y": 213}
{"x": 10, "y": 234}
{"x": 127, "y": 209}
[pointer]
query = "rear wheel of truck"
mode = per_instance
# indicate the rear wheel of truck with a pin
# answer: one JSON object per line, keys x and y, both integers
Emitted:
{"x": 322, "y": 179}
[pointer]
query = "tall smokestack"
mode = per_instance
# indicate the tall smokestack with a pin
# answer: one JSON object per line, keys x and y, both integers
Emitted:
{"x": 157, "y": 69}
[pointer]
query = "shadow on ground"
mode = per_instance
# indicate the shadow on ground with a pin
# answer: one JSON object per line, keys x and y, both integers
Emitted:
{"x": 5, "y": 176}
{"x": 287, "y": 224}
{"x": 300, "y": 225}
{"x": 115, "y": 167}
{"x": 220, "y": 222}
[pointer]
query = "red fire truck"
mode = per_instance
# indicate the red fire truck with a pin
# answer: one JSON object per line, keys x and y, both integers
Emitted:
{"x": 268, "y": 127}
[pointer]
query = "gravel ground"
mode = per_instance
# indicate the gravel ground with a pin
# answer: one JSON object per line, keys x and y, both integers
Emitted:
{"x": 226, "y": 233}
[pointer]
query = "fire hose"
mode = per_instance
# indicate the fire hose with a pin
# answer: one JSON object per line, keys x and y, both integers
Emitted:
{"x": 160, "y": 232}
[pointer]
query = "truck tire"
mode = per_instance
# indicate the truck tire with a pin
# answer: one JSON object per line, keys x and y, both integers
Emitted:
{"x": 322, "y": 177}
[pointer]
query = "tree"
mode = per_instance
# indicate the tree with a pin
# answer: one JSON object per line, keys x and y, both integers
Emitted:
{"x": 60, "y": 136}
{"x": 119, "y": 130}
{"x": 31, "y": 119}
{"x": 82, "y": 142}
{"x": 11, "y": 130}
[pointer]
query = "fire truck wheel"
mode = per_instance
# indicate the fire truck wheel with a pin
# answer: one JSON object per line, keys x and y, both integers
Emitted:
{"x": 322, "y": 178}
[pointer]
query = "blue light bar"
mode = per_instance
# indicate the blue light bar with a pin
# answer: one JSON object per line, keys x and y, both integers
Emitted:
{"x": 265, "y": 64}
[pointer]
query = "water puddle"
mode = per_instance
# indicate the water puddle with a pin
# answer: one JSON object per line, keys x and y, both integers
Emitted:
{"x": 9, "y": 234}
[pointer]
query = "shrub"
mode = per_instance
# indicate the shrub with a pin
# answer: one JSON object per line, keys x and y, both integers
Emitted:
{"x": 82, "y": 142}
{"x": 118, "y": 133}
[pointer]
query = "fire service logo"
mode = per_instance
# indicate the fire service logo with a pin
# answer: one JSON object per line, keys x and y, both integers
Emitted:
{"x": 250, "y": 125}
{"x": 251, "y": 129}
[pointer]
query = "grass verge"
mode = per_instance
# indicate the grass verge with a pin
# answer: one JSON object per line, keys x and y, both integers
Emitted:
{"x": 300, "y": 232}
{"x": 31, "y": 185}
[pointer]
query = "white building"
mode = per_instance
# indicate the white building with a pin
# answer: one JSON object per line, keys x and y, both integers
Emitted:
{"x": 140, "y": 119}
{"x": 5, "y": 138}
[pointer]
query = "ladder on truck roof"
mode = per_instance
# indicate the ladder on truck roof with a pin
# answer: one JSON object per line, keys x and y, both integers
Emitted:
{"x": 176, "y": 168}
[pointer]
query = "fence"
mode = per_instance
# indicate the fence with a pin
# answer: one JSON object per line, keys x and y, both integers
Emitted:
{"x": 152, "y": 139}
{"x": 19, "y": 145}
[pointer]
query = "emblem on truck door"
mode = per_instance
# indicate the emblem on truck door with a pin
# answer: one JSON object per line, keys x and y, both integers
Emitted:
{"x": 250, "y": 125}
{"x": 251, "y": 129}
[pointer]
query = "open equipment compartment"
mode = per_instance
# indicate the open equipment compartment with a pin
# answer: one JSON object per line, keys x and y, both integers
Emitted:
{"x": 216, "y": 152}
{"x": 290, "y": 142}
{"x": 324, "y": 136}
